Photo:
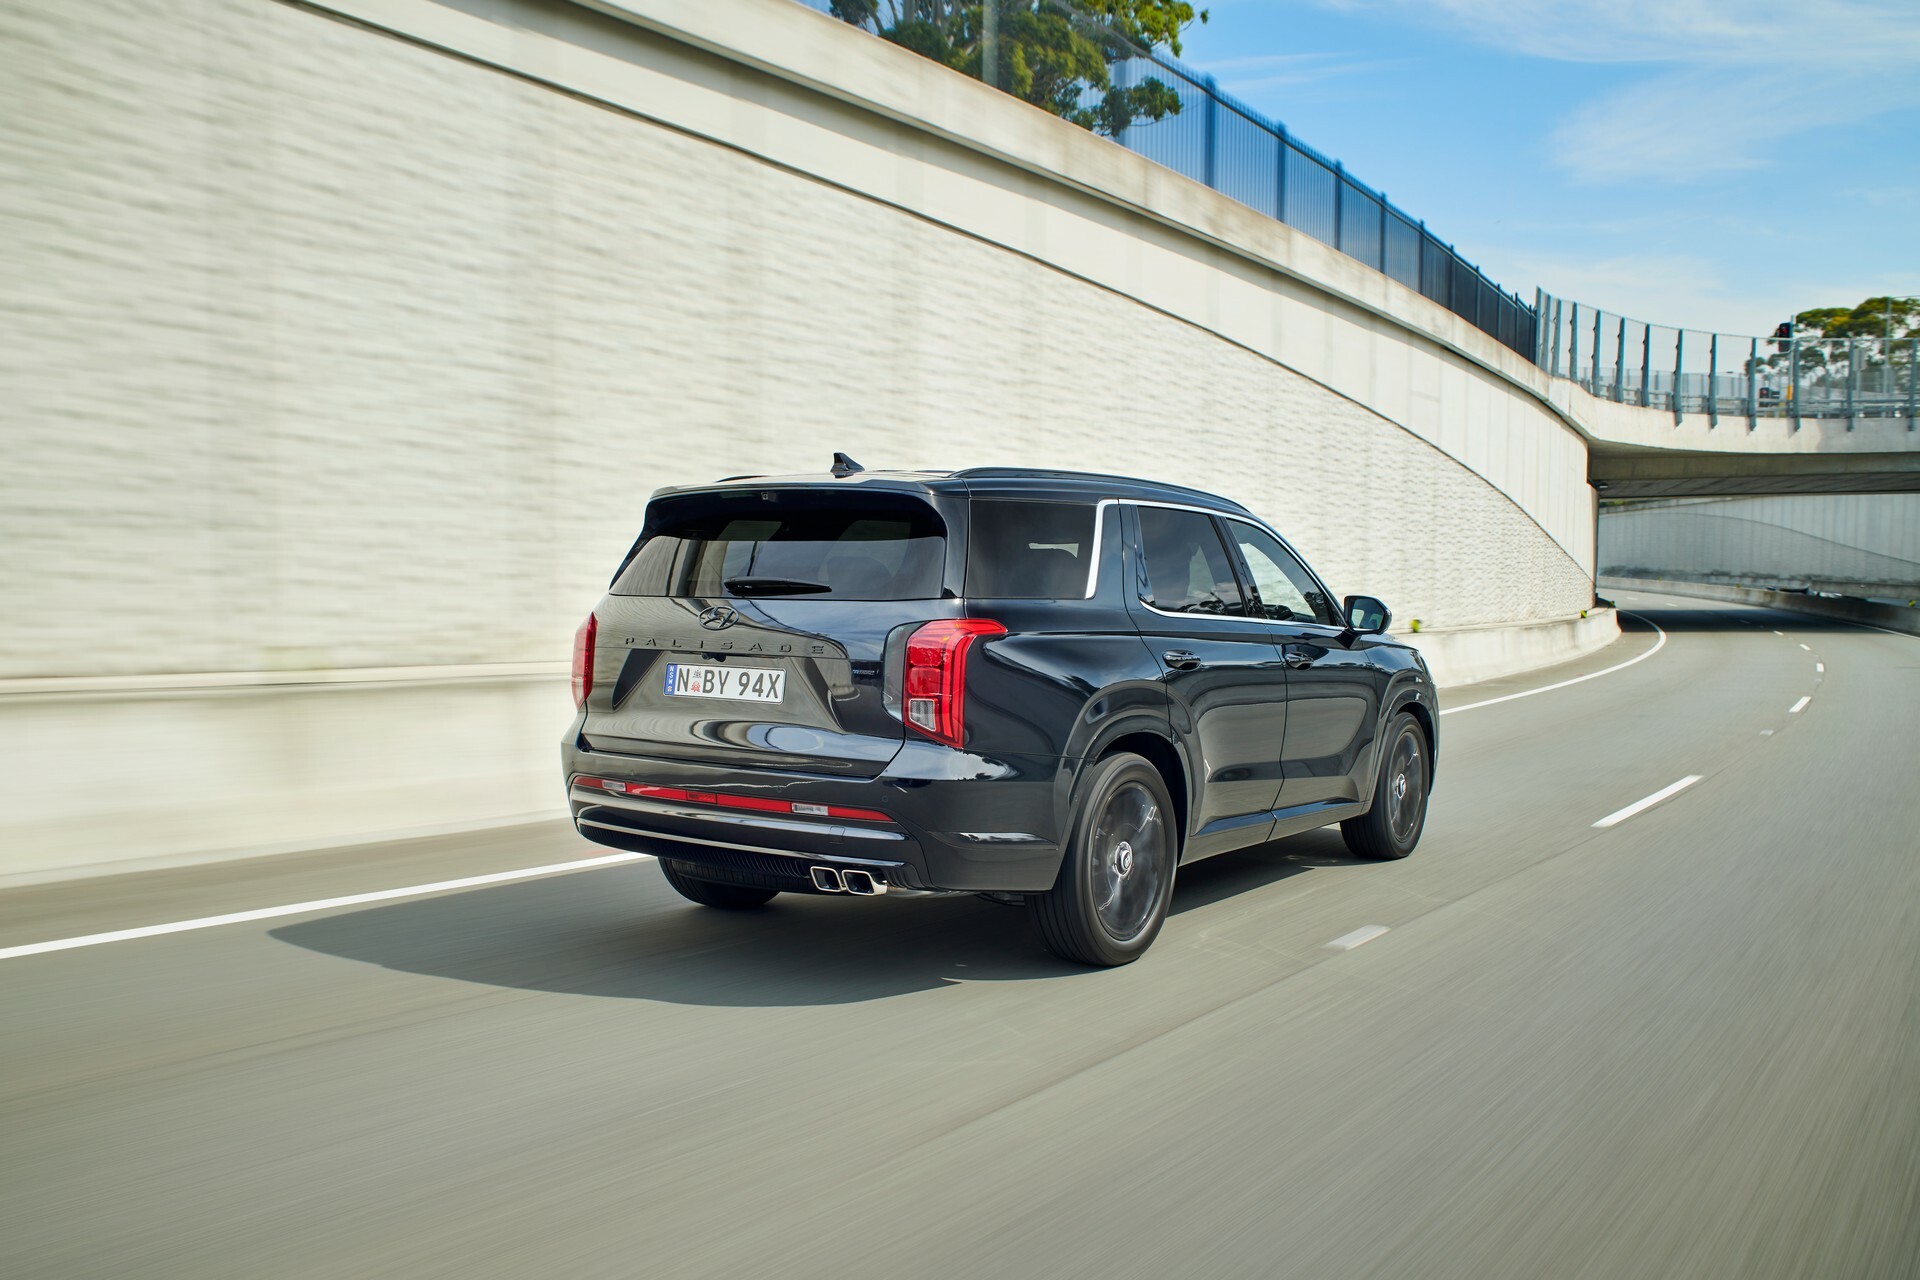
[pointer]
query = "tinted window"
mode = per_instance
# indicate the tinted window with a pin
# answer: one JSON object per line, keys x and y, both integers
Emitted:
{"x": 1285, "y": 589}
{"x": 1186, "y": 567}
{"x": 845, "y": 546}
{"x": 1029, "y": 550}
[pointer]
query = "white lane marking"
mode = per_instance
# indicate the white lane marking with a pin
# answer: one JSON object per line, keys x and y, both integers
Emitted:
{"x": 1619, "y": 816}
{"x": 1799, "y": 706}
{"x": 1781, "y": 634}
{"x": 1766, "y": 733}
{"x": 1358, "y": 938}
{"x": 1807, "y": 647}
{"x": 1819, "y": 668}
{"x": 319, "y": 904}
{"x": 1658, "y": 645}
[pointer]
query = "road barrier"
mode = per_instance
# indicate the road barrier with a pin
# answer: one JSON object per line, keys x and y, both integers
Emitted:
{"x": 1726, "y": 375}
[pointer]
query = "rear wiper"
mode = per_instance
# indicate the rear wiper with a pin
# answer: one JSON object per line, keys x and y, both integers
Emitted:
{"x": 755, "y": 586}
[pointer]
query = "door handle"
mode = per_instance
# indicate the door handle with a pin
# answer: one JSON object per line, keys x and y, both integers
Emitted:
{"x": 1181, "y": 659}
{"x": 1298, "y": 657}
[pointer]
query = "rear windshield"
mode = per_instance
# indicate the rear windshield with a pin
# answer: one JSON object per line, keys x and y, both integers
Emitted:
{"x": 847, "y": 546}
{"x": 1020, "y": 550}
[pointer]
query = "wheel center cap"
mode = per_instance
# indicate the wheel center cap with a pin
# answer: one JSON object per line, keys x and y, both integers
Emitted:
{"x": 1123, "y": 859}
{"x": 1400, "y": 787}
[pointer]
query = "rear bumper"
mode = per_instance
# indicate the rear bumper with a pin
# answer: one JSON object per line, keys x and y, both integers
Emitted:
{"x": 957, "y": 822}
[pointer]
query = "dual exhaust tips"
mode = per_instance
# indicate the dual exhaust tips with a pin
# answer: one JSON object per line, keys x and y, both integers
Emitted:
{"x": 834, "y": 880}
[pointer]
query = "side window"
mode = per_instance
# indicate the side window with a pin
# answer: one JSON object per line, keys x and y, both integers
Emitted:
{"x": 1185, "y": 566}
{"x": 1286, "y": 591}
{"x": 1020, "y": 550}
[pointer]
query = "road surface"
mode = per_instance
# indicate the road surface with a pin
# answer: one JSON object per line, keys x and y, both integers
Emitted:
{"x": 1685, "y": 1043}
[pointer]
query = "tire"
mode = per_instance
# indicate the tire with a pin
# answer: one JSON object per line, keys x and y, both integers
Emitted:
{"x": 711, "y": 893}
{"x": 1110, "y": 898}
{"x": 1392, "y": 827}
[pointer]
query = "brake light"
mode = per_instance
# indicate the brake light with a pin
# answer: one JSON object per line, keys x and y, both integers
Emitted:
{"x": 936, "y": 683}
{"x": 583, "y": 660}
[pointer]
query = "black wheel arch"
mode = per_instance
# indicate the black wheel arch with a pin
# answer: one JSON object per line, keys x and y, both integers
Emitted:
{"x": 1152, "y": 738}
{"x": 1415, "y": 696}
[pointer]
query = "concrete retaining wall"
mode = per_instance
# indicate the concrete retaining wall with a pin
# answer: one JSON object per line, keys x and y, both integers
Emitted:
{"x": 333, "y": 347}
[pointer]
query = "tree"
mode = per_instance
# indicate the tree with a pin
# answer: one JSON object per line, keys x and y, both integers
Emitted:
{"x": 1057, "y": 57}
{"x": 1879, "y": 329}
{"x": 1879, "y": 319}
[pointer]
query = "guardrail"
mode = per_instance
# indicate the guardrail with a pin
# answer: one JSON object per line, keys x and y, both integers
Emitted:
{"x": 1726, "y": 375}
{"x": 1232, "y": 148}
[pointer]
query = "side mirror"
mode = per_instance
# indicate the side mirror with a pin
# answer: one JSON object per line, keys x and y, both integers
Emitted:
{"x": 1367, "y": 616}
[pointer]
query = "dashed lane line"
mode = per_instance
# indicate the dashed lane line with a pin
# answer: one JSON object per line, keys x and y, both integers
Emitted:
{"x": 1619, "y": 816}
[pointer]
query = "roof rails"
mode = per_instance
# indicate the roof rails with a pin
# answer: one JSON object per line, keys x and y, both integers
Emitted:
{"x": 1028, "y": 473}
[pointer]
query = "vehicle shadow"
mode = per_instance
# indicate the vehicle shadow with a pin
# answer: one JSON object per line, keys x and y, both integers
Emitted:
{"x": 621, "y": 933}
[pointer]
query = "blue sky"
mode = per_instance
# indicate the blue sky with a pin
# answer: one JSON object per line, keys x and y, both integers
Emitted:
{"x": 1715, "y": 165}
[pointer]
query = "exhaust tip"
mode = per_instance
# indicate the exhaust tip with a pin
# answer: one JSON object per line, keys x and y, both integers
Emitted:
{"x": 863, "y": 883}
{"x": 827, "y": 880}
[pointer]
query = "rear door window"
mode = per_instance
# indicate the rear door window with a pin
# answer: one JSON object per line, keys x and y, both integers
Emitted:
{"x": 1019, "y": 550}
{"x": 1186, "y": 569}
{"x": 772, "y": 543}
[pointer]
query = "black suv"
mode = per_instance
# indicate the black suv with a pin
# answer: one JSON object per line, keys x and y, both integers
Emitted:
{"x": 1038, "y": 686}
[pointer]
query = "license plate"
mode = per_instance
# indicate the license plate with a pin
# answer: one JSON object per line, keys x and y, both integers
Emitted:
{"x": 735, "y": 684}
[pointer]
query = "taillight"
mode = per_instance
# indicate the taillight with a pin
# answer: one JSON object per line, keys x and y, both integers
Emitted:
{"x": 936, "y": 684}
{"x": 583, "y": 660}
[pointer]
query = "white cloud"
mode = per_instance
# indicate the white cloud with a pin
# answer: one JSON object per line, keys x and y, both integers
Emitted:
{"x": 1701, "y": 32}
{"x": 1247, "y": 77}
{"x": 1685, "y": 125}
{"x": 1685, "y": 290}
{"x": 1730, "y": 83}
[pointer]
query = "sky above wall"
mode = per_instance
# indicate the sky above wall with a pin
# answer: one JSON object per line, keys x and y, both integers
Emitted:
{"x": 1707, "y": 165}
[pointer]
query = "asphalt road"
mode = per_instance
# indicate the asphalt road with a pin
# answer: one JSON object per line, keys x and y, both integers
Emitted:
{"x": 1687, "y": 1044}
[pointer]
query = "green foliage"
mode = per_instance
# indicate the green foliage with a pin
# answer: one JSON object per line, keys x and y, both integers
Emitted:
{"x": 1881, "y": 329}
{"x": 1877, "y": 318}
{"x": 1056, "y": 57}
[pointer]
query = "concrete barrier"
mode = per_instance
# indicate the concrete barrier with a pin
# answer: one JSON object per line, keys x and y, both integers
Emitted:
{"x": 126, "y": 773}
{"x": 1889, "y": 617}
{"x": 1469, "y": 655}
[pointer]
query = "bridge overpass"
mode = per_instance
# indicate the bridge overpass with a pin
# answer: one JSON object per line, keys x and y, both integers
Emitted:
{"x": 364, "y": 326}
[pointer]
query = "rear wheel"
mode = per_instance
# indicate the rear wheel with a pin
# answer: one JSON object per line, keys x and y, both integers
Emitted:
{"x": 1392, "y": 826}
{"x": 711, "y": 893}
{"x": 1111, "y": 896}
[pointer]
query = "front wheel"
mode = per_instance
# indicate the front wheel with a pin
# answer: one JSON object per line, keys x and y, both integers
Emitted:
{"x": 1392, "y": 826}
{"x": 1110, "y": 898}
{"x": 711, "y": 893}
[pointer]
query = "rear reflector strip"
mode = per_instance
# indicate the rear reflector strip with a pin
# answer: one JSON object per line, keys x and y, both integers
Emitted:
{"x": 756, "y": 804}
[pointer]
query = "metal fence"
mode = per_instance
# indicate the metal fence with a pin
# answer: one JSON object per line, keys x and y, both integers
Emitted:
{"x": 1240, "y": 153}
{"x": 1727, "y": 375}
